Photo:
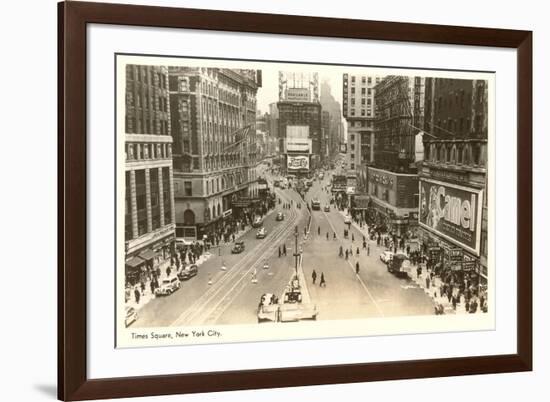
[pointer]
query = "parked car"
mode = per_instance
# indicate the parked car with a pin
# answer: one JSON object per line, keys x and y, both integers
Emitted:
{"x": 168, "y": 286}
{"x": 261, "y": 233}
{"x": 188, "y": 272}
{"x": 280, "y": 216}
{"x": 238, "y": 247}
{"x": 131, "y": 316}
{"x": 327, "y": 208}
{"x": 386, "y": 256}
{"x": 347, "y": 220}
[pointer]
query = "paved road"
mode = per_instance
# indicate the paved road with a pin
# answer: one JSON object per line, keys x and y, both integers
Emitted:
{"x": 374, "y": 292}
{"x": 232, "y": 298}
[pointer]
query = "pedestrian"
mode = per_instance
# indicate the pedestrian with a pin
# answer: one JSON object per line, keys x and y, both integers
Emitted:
{"x": 142, "y": 288}
{"x": 357, "y": 268}
{"x": 168, "y": 271}
{"x": 314, "y": 276}
{"x": 327, "y": 235}
{"x": 347, "y": 254}
{"x": 333, "y": 235}
{"x": 279, "y": 251}
{"x": 357, "y": 251}
{"x": 341, "y": 252}
{"x": 152, "y": 286}
{"x": 318, "y": 230}
{"x": 284, "y": 249}
{"x": 408, "y": 249}
{"x": 368, "y": 249}
{"x": 364, "y": 245}
{"x": 322, "y": 282}
{"x": 352, "y": 237}
{"x": 137, "y": 295}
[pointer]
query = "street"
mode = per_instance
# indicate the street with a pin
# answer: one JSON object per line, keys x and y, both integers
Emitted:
{"x": 229, "y": 296}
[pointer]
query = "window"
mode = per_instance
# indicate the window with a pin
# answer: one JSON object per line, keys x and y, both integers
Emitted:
{"x": 188, "y": 188}
{"x": 369, "y": 80}
{"x": 363, "y": 91}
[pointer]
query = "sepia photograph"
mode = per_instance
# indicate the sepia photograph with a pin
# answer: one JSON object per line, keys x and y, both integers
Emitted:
{"x": 264, "y": 200}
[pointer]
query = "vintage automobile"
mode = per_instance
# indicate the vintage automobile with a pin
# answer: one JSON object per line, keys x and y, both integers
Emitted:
{"x": 399, "y": 265}
{"x": 238, "y": 247}
{"x": 188, "y": 272}
{"x": 261, "y": 233}
{"x": 347, "y": 220}
{"x": 131, "y": 316}
{"x": 168, "y": 286}
{"x": 280, "y": 216}
{"x": 327, "y": 208}
{"x": 386, "y": 256}
{"x": 269, "y": 309}
{"x": 257, "y": 222}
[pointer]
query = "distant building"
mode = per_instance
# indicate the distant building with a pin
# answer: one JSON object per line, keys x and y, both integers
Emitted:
{"x": 332, "y": 106}
{"x": 149, "y": 197}
{"x": 213, "y": 114}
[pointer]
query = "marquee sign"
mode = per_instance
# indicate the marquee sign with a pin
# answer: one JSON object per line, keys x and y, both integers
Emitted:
{"x": 451, "y": 211}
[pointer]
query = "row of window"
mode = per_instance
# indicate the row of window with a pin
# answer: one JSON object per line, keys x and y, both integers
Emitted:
{"x": 142, "y": 125}
{"x": 147, "y": 75}
{"x": 146, "y": 151}
{"x": 149, "y": 99}
{"x": 468, "y": 153}
{"x": 159, "y": 183}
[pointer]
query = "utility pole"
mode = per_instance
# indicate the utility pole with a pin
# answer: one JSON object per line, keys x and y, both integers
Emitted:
{"x": 296, "y": 253}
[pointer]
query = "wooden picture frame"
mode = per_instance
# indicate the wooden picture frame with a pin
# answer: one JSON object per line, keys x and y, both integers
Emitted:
{"x": 73, "y": 17}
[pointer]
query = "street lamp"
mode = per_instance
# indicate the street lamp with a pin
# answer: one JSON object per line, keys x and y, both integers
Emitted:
{"x": 296, "y": 252}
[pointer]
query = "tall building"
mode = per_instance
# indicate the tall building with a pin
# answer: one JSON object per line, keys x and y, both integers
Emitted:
{"x": 400, "y": 117}
{"x": 149, "y": 199}
{"x": 454, "y": 170}
{"x": 392, "y": 175}
{"x": 213, "y": 115}
{"x": 332, "y": 106}
{"x": 300, "y": 131}
{"x": 359, "y": 111}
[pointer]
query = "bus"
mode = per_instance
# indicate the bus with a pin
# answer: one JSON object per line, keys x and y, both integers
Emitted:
{"x": 316, "y": 205}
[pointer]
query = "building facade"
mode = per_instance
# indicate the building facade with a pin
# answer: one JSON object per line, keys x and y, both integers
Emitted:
{"x": 453, "y": 179}
{"x": 359, "y": 110}
{"x": 213, "y": 115}
{"x": 149, "y": 190}
{"x": 400, "y": 118}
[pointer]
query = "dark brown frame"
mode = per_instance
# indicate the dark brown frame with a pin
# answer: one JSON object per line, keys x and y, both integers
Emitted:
{"x": 73, "y": 383}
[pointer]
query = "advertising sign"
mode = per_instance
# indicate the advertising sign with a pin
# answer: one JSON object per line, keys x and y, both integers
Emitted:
{"x": 451, "y": 211}
{"x": 298, "y": 144}
{"x": 297, "y": 94}
{"x": 297, "y": 132}
{"x": 297, "y": 162}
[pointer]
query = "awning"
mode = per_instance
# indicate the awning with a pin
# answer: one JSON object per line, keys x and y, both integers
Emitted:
{"x": 134, "y": 262}
{"x": 147, "y": 255}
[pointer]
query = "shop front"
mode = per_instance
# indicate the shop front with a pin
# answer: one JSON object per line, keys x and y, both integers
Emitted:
{"x": 146, "y": 253}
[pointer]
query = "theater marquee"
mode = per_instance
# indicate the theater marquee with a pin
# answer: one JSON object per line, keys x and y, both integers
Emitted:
{"x": 451, "y": 211}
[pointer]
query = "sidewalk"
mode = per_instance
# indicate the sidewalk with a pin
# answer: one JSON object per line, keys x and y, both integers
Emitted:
{"x": 146, "y": 295}
{"x": 434, "y": 290}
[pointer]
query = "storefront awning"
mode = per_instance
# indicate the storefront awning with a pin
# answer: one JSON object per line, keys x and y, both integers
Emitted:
{"x": 147, "y": 255}
{"x": 134, "y": 262}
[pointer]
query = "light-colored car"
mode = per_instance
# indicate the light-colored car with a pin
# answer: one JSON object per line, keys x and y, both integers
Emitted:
{"x": 261, "y": 233}
{"x": 347, "y": 220}
{"x": 257, "y": 222}
{"x": 386, "y": 256}
{"x": 327, "y": 208}
{"x": 131, "y": 316}
{"x": 168, "y": 286}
